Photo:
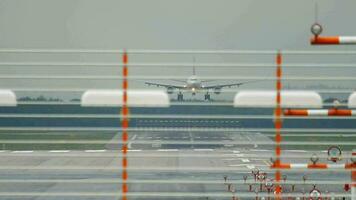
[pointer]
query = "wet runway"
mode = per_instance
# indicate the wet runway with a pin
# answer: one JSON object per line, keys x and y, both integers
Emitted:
{"x": 159, "y": 171}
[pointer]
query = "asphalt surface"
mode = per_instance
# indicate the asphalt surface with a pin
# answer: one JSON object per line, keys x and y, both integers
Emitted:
{"x": 160, "y": 171}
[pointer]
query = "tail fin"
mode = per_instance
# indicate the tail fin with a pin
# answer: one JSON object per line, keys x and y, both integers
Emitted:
{"x": 194, "y": 66}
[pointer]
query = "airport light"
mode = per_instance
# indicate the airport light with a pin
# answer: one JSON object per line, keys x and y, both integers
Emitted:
{"x": 7, "y": 98}
{"x": 334, "y": 153}
{"x": 315, "y": 194}
{"x": 316, "y": 29}
{"x": 114, "y": 98}
{"x": 314, "y": 159}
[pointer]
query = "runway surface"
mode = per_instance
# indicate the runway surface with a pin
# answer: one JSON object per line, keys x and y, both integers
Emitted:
{"x": 160, "y": 171}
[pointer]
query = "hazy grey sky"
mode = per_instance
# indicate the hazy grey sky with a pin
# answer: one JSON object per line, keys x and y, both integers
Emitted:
{"x": 162, "y": 24}
{"x": 171, "y": 24}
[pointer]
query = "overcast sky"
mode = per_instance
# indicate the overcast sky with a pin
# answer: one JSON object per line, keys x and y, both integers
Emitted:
{"x": 163, "y": 24}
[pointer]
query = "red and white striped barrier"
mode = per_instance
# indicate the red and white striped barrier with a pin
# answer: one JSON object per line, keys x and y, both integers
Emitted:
{"x": 313, "y": 166}
{"x": 332, "y": 40}
{"x": 320, "y": 112}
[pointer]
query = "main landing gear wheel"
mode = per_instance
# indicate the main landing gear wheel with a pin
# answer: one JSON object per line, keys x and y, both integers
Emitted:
{"x": 207, "y": 97}
{"x": 180, "y": 97}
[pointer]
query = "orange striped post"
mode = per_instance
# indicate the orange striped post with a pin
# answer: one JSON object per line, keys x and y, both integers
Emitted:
{"x": 353, "y": 175}
{"x": 278, "y": 124}
{"x": 332, "y": 40}
{"x": 124, "y": 125}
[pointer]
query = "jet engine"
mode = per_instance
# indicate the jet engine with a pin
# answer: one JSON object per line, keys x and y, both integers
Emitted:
{"x": 170, "y": 90}
{"x": 217, "y": 90}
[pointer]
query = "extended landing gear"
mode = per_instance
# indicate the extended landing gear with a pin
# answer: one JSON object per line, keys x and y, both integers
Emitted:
{"x": 180, "y": 97}
{"x": 207, "y": 97}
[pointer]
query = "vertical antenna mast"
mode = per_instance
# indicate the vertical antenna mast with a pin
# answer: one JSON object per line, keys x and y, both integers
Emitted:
{"x": 316, "y": 12}
{"x": 193, "y": 65}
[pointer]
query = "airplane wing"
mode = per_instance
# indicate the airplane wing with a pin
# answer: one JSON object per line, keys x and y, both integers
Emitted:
{"x": 165, "y": 85}
{"x": 226, "y": 85}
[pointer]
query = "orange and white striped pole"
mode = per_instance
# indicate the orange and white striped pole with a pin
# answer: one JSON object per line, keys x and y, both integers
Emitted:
{"x": 319, "y": 112}
{"x": 315, "y": 166}
{"x": 278, "y": 124}
{"x": 333, "y": 40}
{"x": 124, "y": 125}
{"x": 353, "y": 176}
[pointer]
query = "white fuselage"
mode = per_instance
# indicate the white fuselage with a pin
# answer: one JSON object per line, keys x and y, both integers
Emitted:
{"x": 193, "y": 84}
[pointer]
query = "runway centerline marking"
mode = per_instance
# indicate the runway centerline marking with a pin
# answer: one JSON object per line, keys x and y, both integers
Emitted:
{"x": 167, "y": 150}
{"x": 59, "y": 151}
{"x": 134, "y": 150}
{"x": 129, "y": 145}
{"x": 250, "y": 166}
{"x": 95, "y": 151}
{"x": 22, "y": 152}
{"x": 203, "y": 149}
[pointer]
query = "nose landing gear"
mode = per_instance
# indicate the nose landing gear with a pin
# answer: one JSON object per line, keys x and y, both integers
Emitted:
{"x": 180, "y": 96}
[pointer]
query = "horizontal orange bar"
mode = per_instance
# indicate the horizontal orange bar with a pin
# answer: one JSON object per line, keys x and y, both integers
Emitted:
{"x": 295, "y": 112}
{"x": 336, "y": 112}
{"x": 325, "y": 40}
{"x": 281, "y": 166}
{"x": 350, "y": 166}
{"x": 318, "y": 166}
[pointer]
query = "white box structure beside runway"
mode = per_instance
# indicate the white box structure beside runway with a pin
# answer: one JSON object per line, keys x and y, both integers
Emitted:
{"x": 7, "y": 98}
{"x": 135, "y": 98}
{"x": 290, "y": 99}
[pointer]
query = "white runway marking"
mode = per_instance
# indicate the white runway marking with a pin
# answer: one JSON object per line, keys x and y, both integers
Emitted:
{"x": 59, "y": 151}
{"x": 259, "y": 150}
{"x": 203, "y": 149}
{"x": 129, "y": 145}
{"x": 237, "y": 165}
{"x": 236, "y": 151}
{"x": 250, "y": 166}
{"x": 296, "y": 151}
{"x": 239, "y": 155}
{"x": 134, "y": 150}
{"x": 22, "y": 152}
{"x": 245, "y": 160}
{"x": 229, "y": 159}
{"x": 95, "y": 151}
{"x": 167, "y": 150}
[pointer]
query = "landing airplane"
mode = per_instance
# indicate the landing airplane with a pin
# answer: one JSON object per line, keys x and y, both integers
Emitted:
{"x": 194, "y": 84}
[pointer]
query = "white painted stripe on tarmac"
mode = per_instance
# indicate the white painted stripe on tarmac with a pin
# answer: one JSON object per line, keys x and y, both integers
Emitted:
{"x": 240, "y": 155}
{"x": 298, "y": 151}
{"x": 203, "y": 149}
{"x": 59, "y": 151}
{"x": 236, "y": 151}
{"x": 167, "y": 150}
{"x": 250, "y": 166}
{"x": 22, "y": 152}
{"x": 265, "y": 150}
{"x": 134, "y": 150}
{"x": 245, "y": 160}
{"x": 95, "y": 151}
{"x": 237, "y": 165}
